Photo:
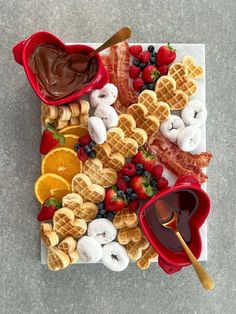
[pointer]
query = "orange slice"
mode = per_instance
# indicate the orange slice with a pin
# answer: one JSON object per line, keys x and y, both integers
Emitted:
{"x": 62, "y": 161}
{"x": 75, "y": 130}
{"x": 51, "y": 185}
{"x": 70, "y": 141}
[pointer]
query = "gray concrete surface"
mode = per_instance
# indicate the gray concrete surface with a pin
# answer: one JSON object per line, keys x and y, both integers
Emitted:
{"x": 28, "y": 287}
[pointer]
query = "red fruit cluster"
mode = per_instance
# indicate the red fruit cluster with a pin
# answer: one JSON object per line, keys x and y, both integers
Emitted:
{"x": 84, "y": 147}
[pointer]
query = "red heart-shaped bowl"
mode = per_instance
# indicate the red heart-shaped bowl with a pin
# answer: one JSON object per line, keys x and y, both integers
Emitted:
{"x": 23, "y": 50}
{"x": 180, "y": 258}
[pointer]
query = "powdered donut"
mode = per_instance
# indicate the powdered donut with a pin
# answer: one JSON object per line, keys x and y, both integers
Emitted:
{"x": 102, "y": 230}
{"x": 189, "y": 138}
{"x": 115, "y": 256}
{"x": 108, "y": 115}
{"x": 89, "y": 249}
{"x": 105, "y": 96}
{"x": 172, "y": 127}
{"x": 97, "y": 130}
{"x": 195, "y": 113}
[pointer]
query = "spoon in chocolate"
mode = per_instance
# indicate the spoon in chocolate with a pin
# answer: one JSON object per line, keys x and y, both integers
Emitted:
{"x": 81, "y": 63}
{"x": 168, "y": 218}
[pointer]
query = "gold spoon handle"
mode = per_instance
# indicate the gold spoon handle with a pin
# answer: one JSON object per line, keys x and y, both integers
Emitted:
{"x": 203, "y": 276}
{"x": 123, "y": 34}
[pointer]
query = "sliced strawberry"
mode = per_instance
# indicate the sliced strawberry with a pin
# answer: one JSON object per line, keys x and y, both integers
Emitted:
{"x": 142, "y": 187}
{"x": 134, "y": 71}
{"x": 165, "y": 55}
{"x": 112, "y": 201}
{"x": 48, "y": 209}
{"x": 135, "y": 50}
{"x": 50, "y": 139}
{"x": 145, "y": 158}
{"x": 150, "y": 74}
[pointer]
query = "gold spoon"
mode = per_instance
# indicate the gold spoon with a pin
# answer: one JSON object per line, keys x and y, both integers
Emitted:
{"x": 80, "y": 62}
{"x": 169, "y": 219}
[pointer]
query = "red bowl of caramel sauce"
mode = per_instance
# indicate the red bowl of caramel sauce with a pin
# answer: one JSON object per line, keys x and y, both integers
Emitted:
{"x": 192, "y": 205}
{"x": 56, "y": 71}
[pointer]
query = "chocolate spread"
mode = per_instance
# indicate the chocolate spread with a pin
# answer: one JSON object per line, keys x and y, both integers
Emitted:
{"x": 60, "y": 74}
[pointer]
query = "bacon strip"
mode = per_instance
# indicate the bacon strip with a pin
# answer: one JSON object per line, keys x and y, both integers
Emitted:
{"x": 178, "y": 161}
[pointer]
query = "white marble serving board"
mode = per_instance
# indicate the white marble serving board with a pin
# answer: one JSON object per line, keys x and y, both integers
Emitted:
{"x": 198, "y": 52}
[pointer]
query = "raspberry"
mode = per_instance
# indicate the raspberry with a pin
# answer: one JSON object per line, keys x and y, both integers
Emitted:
{"x": 134, "y": 71}
{"x": 135, "y": 50}
{"x": 157, "y": 172}
{"x": 163, "y": 69}
{"x": 122, "y": 185}
{"x": 129, "y": 169}
{"x": 84, "y": 140}
{"x": 162, "y": 183}
{"x": 138, "y": 82}
{"x": 82, "y": 154}
{"x": 144, "y": 56}
{"x": 120, "y": 174}
{"x": 133, "y": 205}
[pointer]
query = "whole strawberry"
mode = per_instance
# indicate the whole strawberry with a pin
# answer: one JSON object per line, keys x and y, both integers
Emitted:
{"x": 150, "y": 74}
{"x": 112, "y": 201}
{"x": 144, "y": 158}
{"x": 48, "y": 209}
{"x": 165, "y": 55}
{"x": 141, "y": 186}
{"x": 50, "y": 139}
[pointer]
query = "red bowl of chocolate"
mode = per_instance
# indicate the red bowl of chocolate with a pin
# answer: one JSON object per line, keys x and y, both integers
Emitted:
{"x": 59, "y": 73}
{"x": 192, "y": 205}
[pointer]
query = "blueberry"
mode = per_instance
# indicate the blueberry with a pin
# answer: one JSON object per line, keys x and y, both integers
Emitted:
{"x": 126, "y": 178}
{"x": 100, "y": 205}
{"x": 152, "y": 60}
{"x": 133, "y": 196}
{"x": 99, "y": 215}
{"x": 92, "y": 144}
{"x": 87, "y": 149}
{"x": 146, "y": 174}
{"x": 142, "y": 66}
{"x": 151, "y": 48}
{"x": 153, "y": 183}
{"x": 139, "y": 172}
{"x": 121, "y": 194}
{"x": 92, "y": 154}
{"x": 139, "y": 166}
{"x": 104, "y": 215}
{"x": 110, "y": 215}
{"x": 136, "y": 62}
{"x": 76, "y": 147}
{"x": 151, "y": 86}
{"x": 102, "y": 211}
{"x": 129, "y": 191}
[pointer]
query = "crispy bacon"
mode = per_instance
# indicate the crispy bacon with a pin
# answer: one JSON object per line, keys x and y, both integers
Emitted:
{"x": 178, "y": 161}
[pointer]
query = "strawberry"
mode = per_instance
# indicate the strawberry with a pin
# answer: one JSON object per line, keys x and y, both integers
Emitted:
{"x": 144, "y": 56}
{"x": 145, "y": 158}
{"x": 84, "y": 140}
{"x": 157, "y": 172}
{"x": 135, "y": 50}
{"x": 112, "y": 201}
{"x": 129, "y": 169}
{"x": 49, "y": 139}
{"x": 48, "y": 209}
{"x": 162, "y": 183}
{"x": 142, "y": 187}
{"x": 134, "y": 71}
{"x": 138, "y": 82}
{"x": 150, "y": 74}
{"x": 165, "y": 55}
{"x": 133, "y": 205}
{"x": 82, "y": 155}
{"x": 163, "y": 69}
{"x": 122, "y": 185}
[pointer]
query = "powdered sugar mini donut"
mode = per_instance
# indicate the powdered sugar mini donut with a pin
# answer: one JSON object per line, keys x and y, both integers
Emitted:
{"x": 115, "y": 256}
{"x": 172, "y": 127}
{"x": 102, "y": 230}
{"x": 195, "y": 113}
{"x": 97, "y": 130}
{"x": 89, "y": 249}
{"x": 108, "y": 115}
{"x": 189, "y": 138}
{"x": 104, "y": 96}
